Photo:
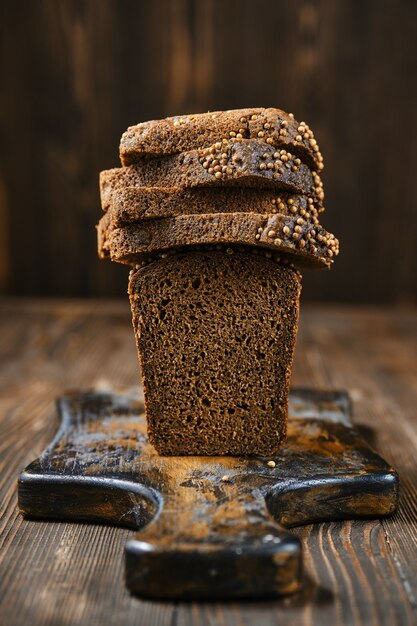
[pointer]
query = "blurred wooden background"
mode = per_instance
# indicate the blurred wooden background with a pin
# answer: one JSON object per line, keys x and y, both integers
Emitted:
{"x": 76, "y": 73}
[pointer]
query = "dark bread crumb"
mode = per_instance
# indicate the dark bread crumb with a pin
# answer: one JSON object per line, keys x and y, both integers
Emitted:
{"x": 215, "y": 335}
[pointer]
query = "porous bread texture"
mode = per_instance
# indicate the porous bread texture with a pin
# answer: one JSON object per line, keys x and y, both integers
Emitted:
{"x": 135, "y": 204}
{"x": 279, "y": 233}
{"x": 215, "y": 335}
{"x": 243, "y": 163}
{"x": 269, "y": 126}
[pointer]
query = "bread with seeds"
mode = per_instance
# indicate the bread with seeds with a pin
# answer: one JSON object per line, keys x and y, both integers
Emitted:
{"x": 298, "y": 241}
{"x": 215, "y": 335}
{"x": 135, "y": 204}
{"x": 269, "y": 126}
{"x": 243, "y": 163}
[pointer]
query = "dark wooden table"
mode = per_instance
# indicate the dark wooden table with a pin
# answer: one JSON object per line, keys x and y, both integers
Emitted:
{"x": 362, "y": 572}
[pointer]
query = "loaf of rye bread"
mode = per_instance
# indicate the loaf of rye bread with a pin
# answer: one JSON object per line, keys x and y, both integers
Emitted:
{"x": 216, "y": 211}
{"x": 272, "y": 127}
{"x": 215, "y": 335}
{"x": 304, "y": 244}
{"x": 242, "y": 163}
{"x": 136, "y": 204}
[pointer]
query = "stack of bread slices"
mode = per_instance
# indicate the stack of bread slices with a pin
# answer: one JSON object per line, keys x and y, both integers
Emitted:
{"x": 216, "y": 213}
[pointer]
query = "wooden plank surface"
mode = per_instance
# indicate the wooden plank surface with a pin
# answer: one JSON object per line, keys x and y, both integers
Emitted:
{"x": 356, "y": 572}
{"x": 76, "y": 73}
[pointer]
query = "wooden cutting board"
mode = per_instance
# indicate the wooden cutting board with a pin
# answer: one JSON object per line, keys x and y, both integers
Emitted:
{"x": 208, "y": 527}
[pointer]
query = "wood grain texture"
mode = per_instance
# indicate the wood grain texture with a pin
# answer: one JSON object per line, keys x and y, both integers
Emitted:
{"x": 76, "y": 73}
{"x": 356, "y": 573}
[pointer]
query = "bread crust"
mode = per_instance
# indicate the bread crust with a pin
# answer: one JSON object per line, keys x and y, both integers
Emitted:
{"x": 182, "y": 133}
{"x": 243, "y": 163}
{"x": 137, "y": 204}
{"x": 275, "y": 232}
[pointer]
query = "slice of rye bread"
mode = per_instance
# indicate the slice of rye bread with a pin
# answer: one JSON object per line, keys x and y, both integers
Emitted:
{"x": 244, "y": 163}
{"x": 134, "y": 204}
{"x": 215, "y": 335}
{"x": 303, "y": 244}
{"x": 190, "y": 132}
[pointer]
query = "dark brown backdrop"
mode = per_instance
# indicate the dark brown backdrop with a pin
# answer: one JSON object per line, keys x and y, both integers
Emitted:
{"x": 76, "y": 73}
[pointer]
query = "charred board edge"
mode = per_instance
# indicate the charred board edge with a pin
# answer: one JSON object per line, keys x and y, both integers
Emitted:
{"x": 87, "y": 499}
{"x": 223, "y": 574}
{"x": 330, "y": 499}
